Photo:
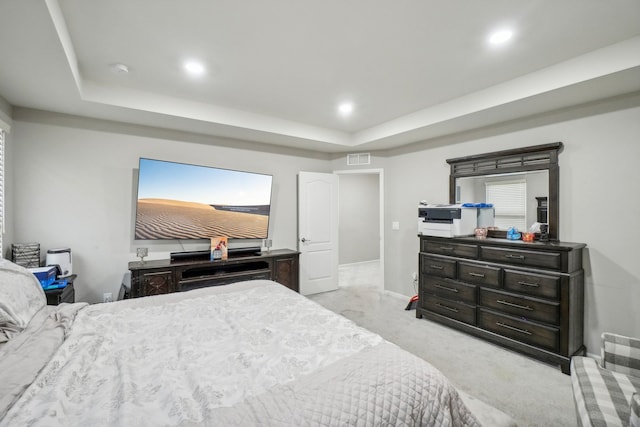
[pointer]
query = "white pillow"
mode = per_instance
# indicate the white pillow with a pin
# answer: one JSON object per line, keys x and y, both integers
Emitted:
{"x": 21, "y": 296}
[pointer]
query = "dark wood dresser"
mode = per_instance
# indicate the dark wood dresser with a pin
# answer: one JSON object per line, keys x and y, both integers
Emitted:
{"x": 528, "y": 297}
{"x": 166, "y": 276}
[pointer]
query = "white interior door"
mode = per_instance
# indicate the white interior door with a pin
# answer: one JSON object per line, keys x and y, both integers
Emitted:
{"x": 318, "y": 232}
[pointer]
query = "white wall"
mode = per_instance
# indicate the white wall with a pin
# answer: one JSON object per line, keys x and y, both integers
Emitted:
{"x": 75, "y": 187}
{"x": 359, "y": 229}
{"x": 5, "y": 125}
{"x": 599, "y": 206}
{"x": 9, "y": 166}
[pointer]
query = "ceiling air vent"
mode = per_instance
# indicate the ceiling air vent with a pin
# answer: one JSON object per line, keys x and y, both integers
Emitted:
{"x": 358, "y": 159}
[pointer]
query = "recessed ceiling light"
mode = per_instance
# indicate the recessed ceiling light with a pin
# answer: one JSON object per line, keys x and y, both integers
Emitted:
{"x": 500, "y": 37}
{"x": 194, "y": 68}
{"x": 345, "y": 108}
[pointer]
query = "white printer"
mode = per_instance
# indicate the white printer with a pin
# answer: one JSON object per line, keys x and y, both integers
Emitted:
{"x": 453, "y": 220}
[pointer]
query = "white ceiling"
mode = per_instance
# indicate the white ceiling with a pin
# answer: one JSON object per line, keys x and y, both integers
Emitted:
{"x": 276, "y": 70}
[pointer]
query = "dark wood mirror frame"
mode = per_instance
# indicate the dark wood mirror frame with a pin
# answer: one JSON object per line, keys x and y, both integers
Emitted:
{"x": 533, "y": 158}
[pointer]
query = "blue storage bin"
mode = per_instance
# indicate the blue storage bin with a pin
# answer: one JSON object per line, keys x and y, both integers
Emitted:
{"x": 46, "y": 275}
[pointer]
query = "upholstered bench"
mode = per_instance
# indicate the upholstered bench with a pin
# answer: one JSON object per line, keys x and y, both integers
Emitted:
{"x": 608, "y": 394}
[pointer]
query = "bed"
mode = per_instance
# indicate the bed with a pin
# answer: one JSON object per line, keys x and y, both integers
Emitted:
{"x": 250, "y": 353}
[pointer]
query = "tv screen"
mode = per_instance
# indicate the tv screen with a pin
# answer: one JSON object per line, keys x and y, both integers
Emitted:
{"x": 184, "y": 201}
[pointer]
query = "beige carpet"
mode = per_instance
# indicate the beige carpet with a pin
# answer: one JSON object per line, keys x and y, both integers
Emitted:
{"x": 531, "y": 392}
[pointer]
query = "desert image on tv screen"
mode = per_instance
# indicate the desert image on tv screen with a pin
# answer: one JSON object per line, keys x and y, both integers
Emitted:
{"x": 182, "y": 201}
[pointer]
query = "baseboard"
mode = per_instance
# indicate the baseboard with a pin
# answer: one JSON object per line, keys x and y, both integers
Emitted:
{"x": 355, "y": 264}
{"x": 595, "y": 356}
{"x": 397, "y": 295}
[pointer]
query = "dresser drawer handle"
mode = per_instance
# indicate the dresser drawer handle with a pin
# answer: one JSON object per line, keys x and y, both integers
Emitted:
{"x": 532, "y": 285}
{"x": 476, "y": 274}
{"x": 510, "y": 304}
{"x": 522, "y": 331}
{"x": 446, "y": 248}
{"x": 446, "y": 288}
{"x": 436, "y": 267}
{"x": 455, "y": 310}
{"x": 511, "y": 256}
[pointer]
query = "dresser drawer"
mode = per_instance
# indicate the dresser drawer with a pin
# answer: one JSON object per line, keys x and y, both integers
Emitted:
{"x": 526, "y": 307}
{"x": 436, "y": 266}
{"x": 452, "y": 309}
{"x": 450, "y": 289}
{"x": 539, "y": 285}
{"x": 203, "y": 282}
{"x": 444, "y": 247}
{"x": 527, "y": 258}
{"x": 521, "y": 330}
{"x": 480, "y": 274}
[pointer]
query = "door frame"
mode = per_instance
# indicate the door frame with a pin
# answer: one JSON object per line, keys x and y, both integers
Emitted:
{"x": 380, "y": 173}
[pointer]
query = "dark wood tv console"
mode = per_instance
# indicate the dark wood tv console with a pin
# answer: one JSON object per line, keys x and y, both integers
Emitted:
{"x": 166, "y": 276}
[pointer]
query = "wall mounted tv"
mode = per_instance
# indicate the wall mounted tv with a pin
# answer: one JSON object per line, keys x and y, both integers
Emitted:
{"x": 184, "y": 201}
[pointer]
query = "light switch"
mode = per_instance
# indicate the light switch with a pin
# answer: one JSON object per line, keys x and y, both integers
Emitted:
{"x": 395, "y": 225}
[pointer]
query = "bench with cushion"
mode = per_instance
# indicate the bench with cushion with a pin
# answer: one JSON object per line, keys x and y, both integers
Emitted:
{"x": 608, "y": 393}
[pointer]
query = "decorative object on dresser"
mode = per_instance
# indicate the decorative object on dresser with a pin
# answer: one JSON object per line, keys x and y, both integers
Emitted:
{"x": 141, "y": 253}
{"x": 183, "y": 274}
{"x": 527, "y": 296}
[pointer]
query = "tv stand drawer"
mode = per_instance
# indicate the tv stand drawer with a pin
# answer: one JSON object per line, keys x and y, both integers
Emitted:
{"x": 223, "y": 279}
{"x": 212, "y": 269}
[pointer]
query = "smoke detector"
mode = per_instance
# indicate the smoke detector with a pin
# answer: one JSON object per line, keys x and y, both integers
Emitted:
{"x": 119, "y": 68}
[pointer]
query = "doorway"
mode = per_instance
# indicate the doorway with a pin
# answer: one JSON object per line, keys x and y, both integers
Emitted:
{"x": 361, "y": 232}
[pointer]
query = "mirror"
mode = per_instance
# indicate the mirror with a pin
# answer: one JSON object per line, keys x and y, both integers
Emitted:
{"x": 527, "y": 177}
{"x": 533, "y": 187}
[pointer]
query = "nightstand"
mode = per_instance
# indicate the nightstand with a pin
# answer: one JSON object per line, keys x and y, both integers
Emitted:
{"x": 66, "y": 294}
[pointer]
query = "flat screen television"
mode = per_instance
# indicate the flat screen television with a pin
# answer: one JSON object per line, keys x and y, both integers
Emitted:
{"x": 185, "y": 201}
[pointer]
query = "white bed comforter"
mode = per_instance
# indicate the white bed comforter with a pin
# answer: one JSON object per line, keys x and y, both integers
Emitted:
{"x": 253, "y": 353}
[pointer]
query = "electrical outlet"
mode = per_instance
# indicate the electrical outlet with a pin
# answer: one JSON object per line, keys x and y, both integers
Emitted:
{"x": 107, "y": 297}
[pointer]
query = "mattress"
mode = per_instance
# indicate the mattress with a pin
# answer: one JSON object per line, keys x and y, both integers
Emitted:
{"x": 250, "y": 353}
